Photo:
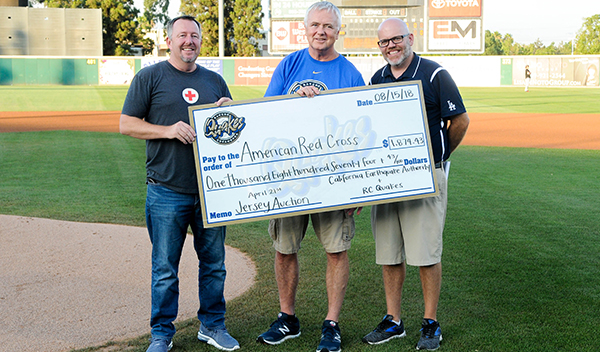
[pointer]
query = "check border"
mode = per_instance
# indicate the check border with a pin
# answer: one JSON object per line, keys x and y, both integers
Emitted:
{"x": 198, "y": 116}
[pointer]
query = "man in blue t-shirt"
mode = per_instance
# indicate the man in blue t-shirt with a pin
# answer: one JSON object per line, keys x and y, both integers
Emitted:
{"x": 411, "y": 230}
{"x": 306, "y": 73}
{"x": 156, "y": 110}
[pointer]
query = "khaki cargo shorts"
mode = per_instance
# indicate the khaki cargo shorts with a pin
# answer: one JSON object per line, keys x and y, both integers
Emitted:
{"x": 335, "y": 230}
{"x": 411, "y": 230}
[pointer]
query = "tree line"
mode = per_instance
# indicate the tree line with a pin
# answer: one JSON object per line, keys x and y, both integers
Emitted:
{"x": 587, "y": 41}
{"x": 123, "y": 27}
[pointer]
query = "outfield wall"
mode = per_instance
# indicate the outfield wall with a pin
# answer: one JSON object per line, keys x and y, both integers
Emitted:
{"x": 467, "y": 71}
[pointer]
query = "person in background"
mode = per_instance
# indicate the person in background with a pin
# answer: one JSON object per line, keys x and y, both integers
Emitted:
{"x": 411, "y": 231}
{"x": 527, "y": 78}
{"x": 307, "y": 72}
{"x": 156, "y": 110}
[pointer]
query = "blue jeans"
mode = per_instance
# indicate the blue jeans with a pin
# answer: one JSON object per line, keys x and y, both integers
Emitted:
{"x": 168, "y": 215}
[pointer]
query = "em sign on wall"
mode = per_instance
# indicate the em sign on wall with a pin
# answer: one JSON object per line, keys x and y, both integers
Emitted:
{"x": 455, "y": 34}
{"x": 455, "y": 26}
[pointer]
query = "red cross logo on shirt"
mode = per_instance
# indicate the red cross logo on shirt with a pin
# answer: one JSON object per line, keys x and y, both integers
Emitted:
{"x": 190, "y": 95}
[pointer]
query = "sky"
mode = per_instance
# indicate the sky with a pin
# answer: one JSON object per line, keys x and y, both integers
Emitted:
{"x": 526, "y": 20}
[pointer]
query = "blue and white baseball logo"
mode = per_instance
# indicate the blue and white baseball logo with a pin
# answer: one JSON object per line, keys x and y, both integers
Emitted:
{"x": 224, "y": 127}
{"x": 309, "y": 82}
{"x": 190, "y": 95}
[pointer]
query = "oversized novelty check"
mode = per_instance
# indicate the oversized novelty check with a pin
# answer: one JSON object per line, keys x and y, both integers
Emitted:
{"x": 290, "y": 155}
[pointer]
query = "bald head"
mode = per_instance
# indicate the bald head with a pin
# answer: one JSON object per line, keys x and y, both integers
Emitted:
{"x": 393, "y": 23}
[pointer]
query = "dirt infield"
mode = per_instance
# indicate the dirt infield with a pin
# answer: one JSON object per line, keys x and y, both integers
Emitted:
{"x": 559, "y": 131}
{"x": 93, "y": 121}
{"x": 562, "y": 131}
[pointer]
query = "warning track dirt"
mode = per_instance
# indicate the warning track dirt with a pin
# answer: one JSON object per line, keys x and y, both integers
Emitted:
{"x": 561, "y": 131}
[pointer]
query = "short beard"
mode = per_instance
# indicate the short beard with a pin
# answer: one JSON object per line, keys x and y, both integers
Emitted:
{"x": 405, "y": 55}
{"x": 188, "y": 61}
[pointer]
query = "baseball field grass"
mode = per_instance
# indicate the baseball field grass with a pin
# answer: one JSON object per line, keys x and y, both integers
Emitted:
{"x": 110, "y": 98}
{"x": 84, "y": 98}
{"x": 521, "y": 251}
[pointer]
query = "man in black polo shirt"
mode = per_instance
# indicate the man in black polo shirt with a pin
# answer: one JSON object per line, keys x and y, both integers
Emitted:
{"x": 411, "y": 230}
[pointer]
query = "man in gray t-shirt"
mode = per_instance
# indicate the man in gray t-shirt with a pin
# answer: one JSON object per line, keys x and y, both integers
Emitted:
{"x": 156, "y": 110}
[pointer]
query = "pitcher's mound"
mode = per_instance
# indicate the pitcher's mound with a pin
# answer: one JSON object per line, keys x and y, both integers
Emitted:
{"x": 68, "y": 285}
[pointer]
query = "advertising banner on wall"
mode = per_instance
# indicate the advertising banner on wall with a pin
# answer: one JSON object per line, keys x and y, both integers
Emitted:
{"x": 288, "y": 36}
{"x": 455, "y": 26}
{"x": 464, "y": 35}
{"x": 149, "y": 61}
{"x": 214, "y": 65}
{"x": 116, "y": 71}
{"x": 254, "y": 72}
{"x": 454, "y": 8}
{"x": 557, "y": 72}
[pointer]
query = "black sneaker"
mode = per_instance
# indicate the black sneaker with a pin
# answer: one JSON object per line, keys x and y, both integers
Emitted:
{"x": 285, "y": 327}
{"x": 385, "y": 331}
{"x": 431, "y": 335}
{"x": 331, "y": 340}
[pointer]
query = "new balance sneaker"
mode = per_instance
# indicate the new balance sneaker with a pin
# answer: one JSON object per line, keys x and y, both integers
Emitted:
{"x": 218, "y": 338}
{"x": 385, "y": 331}
{"x": 331, "y": 341}
{"x": 285, "y": 327}
{"x": 159, "y": 345}
{"x": 431, "y": 335}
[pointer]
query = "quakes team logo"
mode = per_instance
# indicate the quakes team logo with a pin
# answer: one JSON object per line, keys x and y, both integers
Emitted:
{"x": 224, "y": 127}
{"x": 309, "y": 82}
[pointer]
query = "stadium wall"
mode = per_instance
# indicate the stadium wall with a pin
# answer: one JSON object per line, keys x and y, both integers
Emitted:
{"x": 50, "y": 31}
{"x": 467, "y": 71}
